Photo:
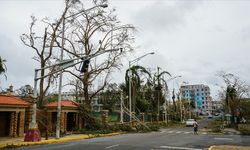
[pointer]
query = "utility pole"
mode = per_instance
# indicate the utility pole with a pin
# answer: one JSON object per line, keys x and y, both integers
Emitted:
{"x": 58, "y": 122}
{"x": 158, "y": 94}
{"x": 179, "y": 99}
{"x": 121, "y": 113}
{"x": 189, "y": 108}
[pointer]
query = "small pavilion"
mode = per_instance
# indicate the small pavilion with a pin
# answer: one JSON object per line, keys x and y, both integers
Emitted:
{"x": 12, "y": 115}
{"x": 70, "y": 116}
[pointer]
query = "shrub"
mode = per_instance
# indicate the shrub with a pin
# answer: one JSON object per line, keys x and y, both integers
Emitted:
{"x": 216, "y": 129}
{"x": 154, "y": 127}
{"x": 244, "y": 132}
{"x": 215, "y": 126}
{"x": 101, "y": 131}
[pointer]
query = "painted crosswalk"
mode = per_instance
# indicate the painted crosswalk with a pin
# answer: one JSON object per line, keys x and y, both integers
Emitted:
{"x": 180, "y": 132}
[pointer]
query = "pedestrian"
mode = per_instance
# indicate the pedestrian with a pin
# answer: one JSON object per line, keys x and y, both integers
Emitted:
{"x": 195, "y": 126}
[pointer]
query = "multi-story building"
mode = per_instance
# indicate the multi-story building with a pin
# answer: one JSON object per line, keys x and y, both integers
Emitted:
{"x": 199, "y": 94}
{"x": 217, "y": 106}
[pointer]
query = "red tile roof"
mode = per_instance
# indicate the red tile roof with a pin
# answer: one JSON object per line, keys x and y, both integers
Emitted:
{"x": 12, "y": 100}
{"x": 64, "y": 103}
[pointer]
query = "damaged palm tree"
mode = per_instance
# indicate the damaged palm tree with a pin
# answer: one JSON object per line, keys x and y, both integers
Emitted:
{"x": 3, "y": 67}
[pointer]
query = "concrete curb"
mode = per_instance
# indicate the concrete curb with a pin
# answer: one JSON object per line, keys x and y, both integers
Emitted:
{"x": 66, "y": 139}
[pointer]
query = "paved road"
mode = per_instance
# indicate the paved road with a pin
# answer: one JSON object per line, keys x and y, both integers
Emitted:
{"x": 171, "y": 138}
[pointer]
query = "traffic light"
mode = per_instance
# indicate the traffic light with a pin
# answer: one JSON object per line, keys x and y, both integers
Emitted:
{"x": 85, "y": 65}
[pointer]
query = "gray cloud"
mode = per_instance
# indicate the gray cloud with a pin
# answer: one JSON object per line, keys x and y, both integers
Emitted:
{"x": 193, "y": 38}
{"x": 19, "y": 62}
{"x": 163, "y": 15}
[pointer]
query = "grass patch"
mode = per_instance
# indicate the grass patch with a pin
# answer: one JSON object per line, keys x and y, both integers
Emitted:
{"x": 215, "y": 126}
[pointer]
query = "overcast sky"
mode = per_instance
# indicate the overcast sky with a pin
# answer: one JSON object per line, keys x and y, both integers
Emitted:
{"x": 191, "y": 38}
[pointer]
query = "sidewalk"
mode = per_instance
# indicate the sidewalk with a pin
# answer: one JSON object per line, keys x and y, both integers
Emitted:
{"x": 228, "y": 147}
{"x": 8, "y": 142}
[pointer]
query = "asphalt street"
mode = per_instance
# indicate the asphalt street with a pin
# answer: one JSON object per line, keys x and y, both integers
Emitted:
{"x": 170, "y": 138}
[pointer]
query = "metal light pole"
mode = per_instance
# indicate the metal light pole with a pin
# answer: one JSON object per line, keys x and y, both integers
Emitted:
{"x": 130, "y": 63}
{"x": 58, "y": 123}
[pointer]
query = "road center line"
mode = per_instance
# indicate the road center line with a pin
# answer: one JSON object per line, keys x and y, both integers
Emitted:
{"x": 181, "y": 148}
{"x": 111, "y": 146}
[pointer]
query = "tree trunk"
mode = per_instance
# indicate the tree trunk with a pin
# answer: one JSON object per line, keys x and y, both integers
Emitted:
{"x": 86, "y": 92}
{"x": 41, "y": 92}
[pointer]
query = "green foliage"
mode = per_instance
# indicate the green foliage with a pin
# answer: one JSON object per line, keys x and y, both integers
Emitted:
{"x": 244, "y": 131}
{"x": 91, "y": 123}
{"x": 3, "y": 67}
{"x": 154, "y": 127}
{"x": 100, "y": 131}
{"x": 109, "y": 98}
{"x": 98, "y": 116}
{"x": 51, "y": 98}
{"x": 245, "y": 107}
{"x": 143, "y": 105}
{"x": 121, "y": 127}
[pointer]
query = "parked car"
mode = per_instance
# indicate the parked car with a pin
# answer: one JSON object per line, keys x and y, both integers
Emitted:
{"x": 190, "y": 122}
{"x": 216, "y": 114}
{"x": 210, "y": 116}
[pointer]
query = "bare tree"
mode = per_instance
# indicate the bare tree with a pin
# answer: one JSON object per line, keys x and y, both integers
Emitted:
{"x": 44, "y": 45}
{"x": 92, "y": 31}
{"x": 233, "y": 91}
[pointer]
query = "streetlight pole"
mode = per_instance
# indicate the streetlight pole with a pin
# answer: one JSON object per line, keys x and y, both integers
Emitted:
{"x": 33, "y": 134}
{"x": 130, "y": 63}
{"x": 58, "y": 123}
